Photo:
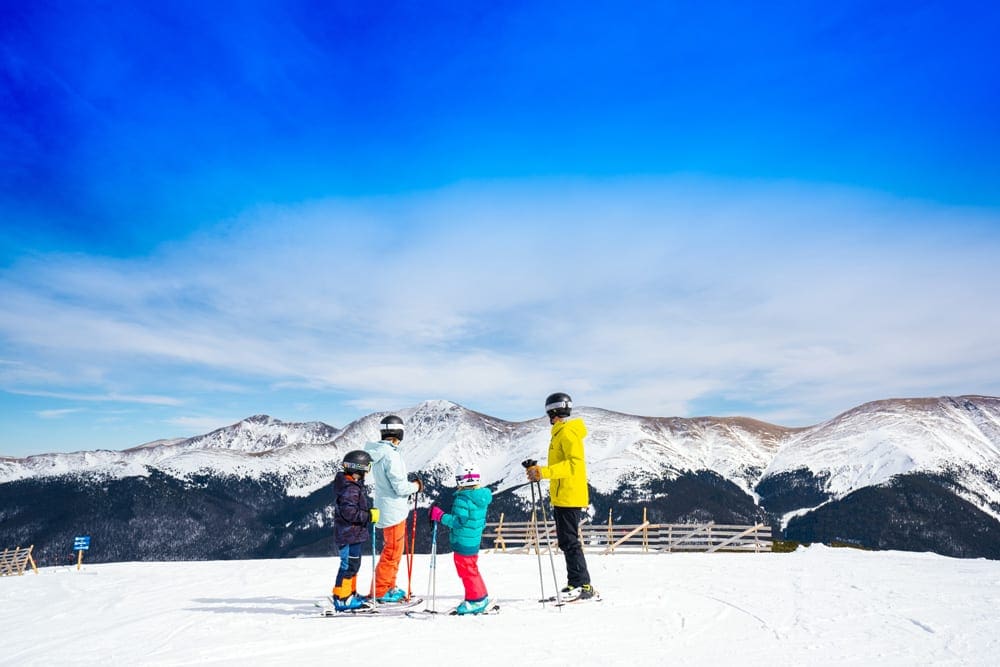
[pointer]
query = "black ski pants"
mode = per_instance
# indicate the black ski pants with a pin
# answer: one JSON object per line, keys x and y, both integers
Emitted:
{"x": 568, "y": 535}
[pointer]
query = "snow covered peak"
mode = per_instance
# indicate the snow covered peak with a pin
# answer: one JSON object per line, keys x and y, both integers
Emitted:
{"x": 261, "y": 433}
{"x": 869, "y": 444}
{"x": 260, "y": 419}
{"x": 864, "y": 446}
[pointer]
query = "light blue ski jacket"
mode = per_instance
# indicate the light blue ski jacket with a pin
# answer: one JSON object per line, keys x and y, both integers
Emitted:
{"x": 391, "y": 490}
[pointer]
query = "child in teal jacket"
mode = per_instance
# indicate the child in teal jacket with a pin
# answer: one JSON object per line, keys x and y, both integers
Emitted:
{"x": 467, "y": 520}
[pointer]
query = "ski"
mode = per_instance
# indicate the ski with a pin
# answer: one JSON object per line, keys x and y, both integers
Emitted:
{"x": 490, "y": 610}
{"x": 327, "y": 609}
{"x": 493, "y": 608}
{"x": 398, "y": 607}
{"x": 563, "y": 602}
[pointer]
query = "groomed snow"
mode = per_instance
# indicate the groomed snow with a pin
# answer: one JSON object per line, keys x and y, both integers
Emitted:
{"x": 817, "y": 606}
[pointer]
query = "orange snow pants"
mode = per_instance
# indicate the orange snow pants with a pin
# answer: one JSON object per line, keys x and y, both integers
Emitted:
{"x": 388, "y": 560}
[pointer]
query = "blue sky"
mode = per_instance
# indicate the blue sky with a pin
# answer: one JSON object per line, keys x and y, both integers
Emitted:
{"x": 319, "y": 210}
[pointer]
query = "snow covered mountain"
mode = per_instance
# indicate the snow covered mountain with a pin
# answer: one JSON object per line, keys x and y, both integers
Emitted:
{"x": 876, "y": 442}
{"x": 440, "y": 436}
{"x": 229, "y": 450}
{"x": 259, "y": 433}
{"x": 268, "y": 478}
{"x": 873, "y": 442}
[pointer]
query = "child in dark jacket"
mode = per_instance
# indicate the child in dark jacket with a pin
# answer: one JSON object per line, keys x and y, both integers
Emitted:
{"x": 467, "y": 520}
{"x": 351, "y": 526}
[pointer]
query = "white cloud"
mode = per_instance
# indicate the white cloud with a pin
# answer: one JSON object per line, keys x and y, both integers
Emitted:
{"x": 100, "y": 398}
{"x": 56, "y": 414}
{"x": 647, "y": 297}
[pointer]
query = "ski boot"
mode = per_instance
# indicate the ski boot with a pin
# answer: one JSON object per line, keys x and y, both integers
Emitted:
{"x": 473, "y": 606}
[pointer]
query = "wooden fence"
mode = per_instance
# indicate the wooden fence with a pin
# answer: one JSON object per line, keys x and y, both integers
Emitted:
{"x": 16, "y": 561}
{"x": 646, "y": 537}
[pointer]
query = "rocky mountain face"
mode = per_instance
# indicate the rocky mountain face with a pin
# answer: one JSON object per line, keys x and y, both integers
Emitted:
{"x": 913, "y": 474}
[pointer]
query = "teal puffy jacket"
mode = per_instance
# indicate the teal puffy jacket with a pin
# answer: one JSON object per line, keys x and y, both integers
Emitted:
{"x": 467, "y": 519}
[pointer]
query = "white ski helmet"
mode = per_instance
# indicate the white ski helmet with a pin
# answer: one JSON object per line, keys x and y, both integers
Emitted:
{"x": 467, "y": 476}
{"x": 391, "y": 427}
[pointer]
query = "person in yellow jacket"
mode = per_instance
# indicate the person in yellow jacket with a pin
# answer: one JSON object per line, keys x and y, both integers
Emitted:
{"x": 567, "y": 472}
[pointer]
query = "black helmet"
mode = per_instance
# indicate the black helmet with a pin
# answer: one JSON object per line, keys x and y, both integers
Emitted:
{"x": 391, "y": 427}
{"x": 558, "y": 405}
{"x": 357, "y": 461}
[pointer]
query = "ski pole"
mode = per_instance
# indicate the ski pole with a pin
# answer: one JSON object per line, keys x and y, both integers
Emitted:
{"x": 432, "y": 575}
{"x": 548, "y": 538}
{"x": 409, "y": 556}
{"x": 538, "y": 549}
{"x": 373, "y": 563}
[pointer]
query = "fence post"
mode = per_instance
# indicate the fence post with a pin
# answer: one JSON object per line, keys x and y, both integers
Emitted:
{"x": 499, "y": 538}
{"x": 645, "y": 532}
{"x": 536, "y": 538}
{"x": 611, "y": 547}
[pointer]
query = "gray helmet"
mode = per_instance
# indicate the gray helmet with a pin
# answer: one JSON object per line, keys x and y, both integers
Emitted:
{"x": 391, "y": 427}
{"x": 558, "y": 405}
{"x": 357, "y": 461}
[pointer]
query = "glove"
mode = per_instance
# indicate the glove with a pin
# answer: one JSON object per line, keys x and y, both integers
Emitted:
{"x": 374, "y": 512}
{"x": 436, "y": 513}
{"x": 413, "y": 478}
{"x": 534, "y": 473}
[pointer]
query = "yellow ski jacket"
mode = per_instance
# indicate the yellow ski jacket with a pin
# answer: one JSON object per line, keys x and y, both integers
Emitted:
{"x": 567, "y": 468}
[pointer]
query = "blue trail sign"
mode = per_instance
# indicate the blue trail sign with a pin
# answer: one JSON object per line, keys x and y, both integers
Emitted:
{"x": 80, "y": 544}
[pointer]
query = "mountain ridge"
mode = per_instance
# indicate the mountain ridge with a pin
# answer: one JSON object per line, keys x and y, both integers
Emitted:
{"x": 741, "y": 448}
{"x": 931, "y": 460}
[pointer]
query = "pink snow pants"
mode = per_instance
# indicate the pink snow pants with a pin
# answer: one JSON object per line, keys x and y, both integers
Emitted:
{"x": 468, "y": 571}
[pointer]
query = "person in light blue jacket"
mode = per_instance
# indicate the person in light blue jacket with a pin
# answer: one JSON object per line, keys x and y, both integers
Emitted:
{"x": 392, "y": 490}
{"x": 467, "y": 520}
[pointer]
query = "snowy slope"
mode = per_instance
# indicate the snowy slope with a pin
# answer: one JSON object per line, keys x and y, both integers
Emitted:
{"x": 440, "y": 436}
{"x": 868, "y": 445}
{"x": 262, "y": 433}
{"x": 622, "y": 446}
{"x": 817, "y": 606}
{"x": 862, "y": 447}
{"x": 234, "y": 449}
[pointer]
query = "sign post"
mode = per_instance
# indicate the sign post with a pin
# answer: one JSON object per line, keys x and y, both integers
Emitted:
{"x": 81, "y": 544}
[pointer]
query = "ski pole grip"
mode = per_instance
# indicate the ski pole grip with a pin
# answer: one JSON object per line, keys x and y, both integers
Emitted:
{"x": 527, "y": 463}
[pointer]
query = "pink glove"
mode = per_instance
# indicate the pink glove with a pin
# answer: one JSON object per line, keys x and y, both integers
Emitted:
{"x": 436, "y": 513}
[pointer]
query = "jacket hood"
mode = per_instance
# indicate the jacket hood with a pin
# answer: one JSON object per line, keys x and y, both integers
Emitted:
{"x": 480, "y": 497}
{"x": 574, "y": 426}
{"x": 340, "y": 482}
{"x": 379, "y": 450}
